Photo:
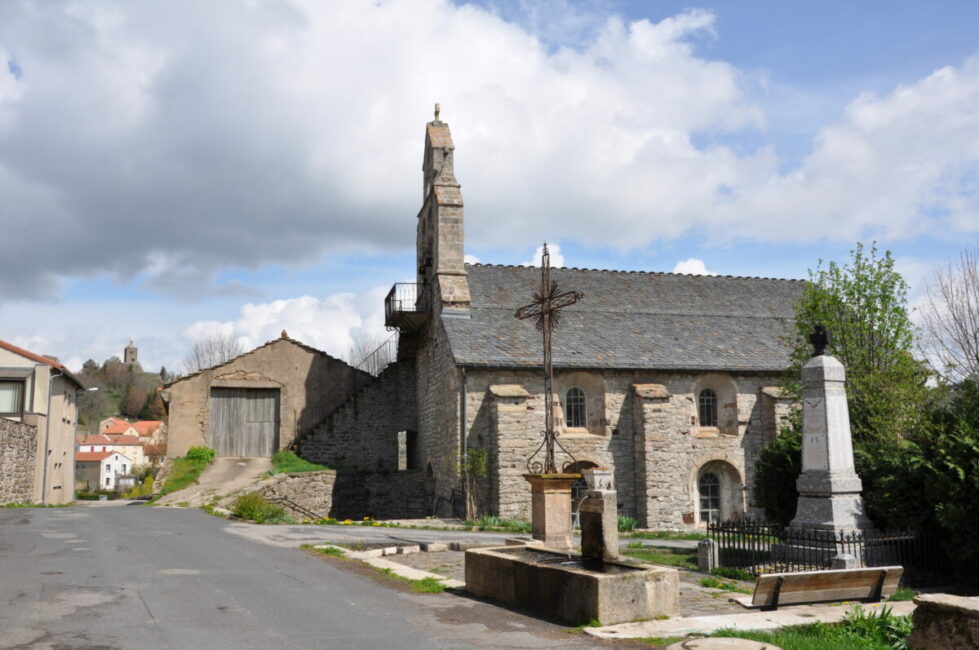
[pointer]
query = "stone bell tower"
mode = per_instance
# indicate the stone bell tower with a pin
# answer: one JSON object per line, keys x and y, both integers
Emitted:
{"x": 130, "y": 353}
{"x": 441, "y": 270}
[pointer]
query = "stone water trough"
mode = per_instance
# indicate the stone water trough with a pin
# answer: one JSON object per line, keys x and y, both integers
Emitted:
{"x": 561, "y": 586}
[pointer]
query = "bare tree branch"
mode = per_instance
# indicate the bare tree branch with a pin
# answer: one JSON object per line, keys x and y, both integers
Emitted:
{"x": 212, "y": 351}
{"x": 950, "y": 315}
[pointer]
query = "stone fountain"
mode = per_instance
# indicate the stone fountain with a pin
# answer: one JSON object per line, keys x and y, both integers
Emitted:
{"x": 575, "y": 588}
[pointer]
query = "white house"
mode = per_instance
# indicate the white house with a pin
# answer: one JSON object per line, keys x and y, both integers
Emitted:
{"x": 102, "y": 470}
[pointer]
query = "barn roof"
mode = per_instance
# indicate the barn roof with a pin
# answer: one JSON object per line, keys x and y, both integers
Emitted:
{"x": 628, "y": 320}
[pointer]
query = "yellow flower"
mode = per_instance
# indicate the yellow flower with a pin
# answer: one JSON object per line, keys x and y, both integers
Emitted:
{"x": 367, "y": 518}
{"x": 377, "y": 523}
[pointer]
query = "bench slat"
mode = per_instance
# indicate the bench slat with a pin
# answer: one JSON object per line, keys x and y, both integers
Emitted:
{"x": 816, "y": 586}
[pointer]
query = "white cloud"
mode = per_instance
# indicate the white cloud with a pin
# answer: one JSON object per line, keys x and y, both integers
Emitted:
{"x": 556, "y": 258}
{"x": 171, "y": 141}
{"x": 330, "y": 324}
{"x": 188, "y": 137}
{"x": 895, "y": 166}
{"x": 470, "y": 259}
{"x": 692, "y": 266}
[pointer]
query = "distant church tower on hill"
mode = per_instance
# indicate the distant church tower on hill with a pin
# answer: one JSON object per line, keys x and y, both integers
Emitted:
{"x": 130, "y": 353}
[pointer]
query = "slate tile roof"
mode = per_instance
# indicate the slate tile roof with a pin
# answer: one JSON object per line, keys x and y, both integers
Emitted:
{"x": 629, "y": 320}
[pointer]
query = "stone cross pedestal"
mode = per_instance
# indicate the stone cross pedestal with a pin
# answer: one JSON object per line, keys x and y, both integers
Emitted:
{"x": 829, "y": 488}
{"x": 599, "y": 516}
{"x": 551, "y": 508}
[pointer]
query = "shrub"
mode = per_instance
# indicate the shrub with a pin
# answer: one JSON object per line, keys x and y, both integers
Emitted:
{"x": 200, "y": 454}
{"x": 627, "y": 524}
{"x": 731, "y": 573}
{"x": 286, "y": 462}
{"x": 254, "y": 507}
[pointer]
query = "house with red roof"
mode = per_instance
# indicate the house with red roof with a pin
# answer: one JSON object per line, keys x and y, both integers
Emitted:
{"x": 102, "y": 470}
{"x": 38, "y": 418}
{"x": 130, "y": 446}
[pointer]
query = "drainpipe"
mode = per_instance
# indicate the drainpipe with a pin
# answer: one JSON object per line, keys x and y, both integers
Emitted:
{"x": 463, "y": 442}
{"x": 47, "y": 438}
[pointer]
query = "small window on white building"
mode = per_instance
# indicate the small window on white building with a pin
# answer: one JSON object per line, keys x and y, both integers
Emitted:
{"x": 123, "y": 468}
{"x": 107, "y": 481}
{"x": 11, "y": 397}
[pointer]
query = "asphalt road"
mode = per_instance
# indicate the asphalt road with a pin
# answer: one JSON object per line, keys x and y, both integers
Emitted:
{"x": 139, "y": 577}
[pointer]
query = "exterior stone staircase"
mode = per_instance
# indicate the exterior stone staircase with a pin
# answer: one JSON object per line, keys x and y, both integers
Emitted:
{"x": 362, "y": 432}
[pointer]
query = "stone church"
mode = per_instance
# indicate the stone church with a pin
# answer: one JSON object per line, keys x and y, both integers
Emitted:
{"x": 669, "y": 380}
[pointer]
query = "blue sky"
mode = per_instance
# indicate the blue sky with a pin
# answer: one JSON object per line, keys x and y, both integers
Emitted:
{"x": 191, "y": 168}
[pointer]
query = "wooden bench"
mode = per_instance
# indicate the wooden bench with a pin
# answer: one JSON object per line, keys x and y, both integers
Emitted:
{"x": 868, "y": 584}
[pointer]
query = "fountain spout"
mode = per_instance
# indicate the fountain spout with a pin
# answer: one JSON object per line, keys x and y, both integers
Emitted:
{"x": 599, "y": 526}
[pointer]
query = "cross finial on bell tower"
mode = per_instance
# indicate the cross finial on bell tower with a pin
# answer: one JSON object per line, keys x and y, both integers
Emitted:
{"x": 438, "y": 109}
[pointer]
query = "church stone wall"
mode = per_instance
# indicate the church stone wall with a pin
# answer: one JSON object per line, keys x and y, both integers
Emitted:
{"x": 438, "y": 392}
{"x": 647, "y": 433}
{"x": 18, "y": 456}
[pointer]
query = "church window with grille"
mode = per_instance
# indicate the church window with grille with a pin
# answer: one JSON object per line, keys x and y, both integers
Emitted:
{"x": 574, "y": 407}
{"x": 707, "y": 408}
{"x": 709, "y": 487}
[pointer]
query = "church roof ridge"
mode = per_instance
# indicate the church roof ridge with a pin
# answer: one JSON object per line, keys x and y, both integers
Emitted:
{"x": 640, "y": 272}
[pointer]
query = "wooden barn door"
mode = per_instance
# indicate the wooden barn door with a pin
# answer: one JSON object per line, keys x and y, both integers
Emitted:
{"x": 244, "y": 422}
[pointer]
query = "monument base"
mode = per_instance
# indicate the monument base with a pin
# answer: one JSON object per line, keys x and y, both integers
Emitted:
{"x": 550, "y": 507}
{"x": 837, "y": 513}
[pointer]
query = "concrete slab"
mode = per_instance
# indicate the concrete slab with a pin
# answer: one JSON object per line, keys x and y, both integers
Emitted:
{"x": 721, "y": 644}
{"x": 221, "y": 478}
{"x": 783, "y": 617}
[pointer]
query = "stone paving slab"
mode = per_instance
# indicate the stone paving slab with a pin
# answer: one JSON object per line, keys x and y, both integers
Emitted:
{"x": 782, "y": 617}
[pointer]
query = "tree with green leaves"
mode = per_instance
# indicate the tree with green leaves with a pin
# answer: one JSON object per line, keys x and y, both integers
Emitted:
{"x": 864, "y": 306}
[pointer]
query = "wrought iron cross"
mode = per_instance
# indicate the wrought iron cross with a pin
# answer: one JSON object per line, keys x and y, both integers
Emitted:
{"x": 546, "y": 310}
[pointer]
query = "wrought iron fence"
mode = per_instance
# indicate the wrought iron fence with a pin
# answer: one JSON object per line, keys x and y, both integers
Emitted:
{"x": 762, "y": 547}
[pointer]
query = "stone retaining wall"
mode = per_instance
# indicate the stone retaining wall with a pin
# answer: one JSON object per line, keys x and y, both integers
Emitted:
{"x": 18, "y": 453}
{"x": 944, "y": 621}
{"x": 344, "y": 494}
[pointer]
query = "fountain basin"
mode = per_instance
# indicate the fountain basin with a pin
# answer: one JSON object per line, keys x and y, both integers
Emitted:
{"x": 555, "y": 585}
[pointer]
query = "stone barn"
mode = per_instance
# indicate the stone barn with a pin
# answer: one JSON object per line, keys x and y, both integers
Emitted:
{"x": 672, "y": 381}
{"x": 257, "y": 403}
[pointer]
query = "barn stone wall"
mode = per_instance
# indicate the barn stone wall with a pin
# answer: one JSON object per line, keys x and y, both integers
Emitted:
{"x": 311, "y": 385}
{"x": 18, "y": 456}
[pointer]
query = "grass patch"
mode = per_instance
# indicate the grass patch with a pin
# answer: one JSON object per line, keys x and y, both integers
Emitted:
{"x": 903, "y": 593}
{"x": 329, "y": 551}
{"x": 627, "y": 524}
{"x": 714, "y": 583}
{"x": 732, "y": 574}
{"x": 661, "y": 641}
{"x": 862, "y": 629}
{"x": 184, "y": 473}
{"x": 491, "y": 523}
{"x": 35, "y": 505}
{"x": 665, "y": 534}
{"x": 286, "y": 462}
{"x": 427, "y": 586}
{"x": 678, "y": 557}
{"x": 590, "y": 623}
{"x": 254, "y": 507}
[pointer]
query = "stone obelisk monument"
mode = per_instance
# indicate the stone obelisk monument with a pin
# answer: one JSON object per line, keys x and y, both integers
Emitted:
{"x": 829, "y": 488}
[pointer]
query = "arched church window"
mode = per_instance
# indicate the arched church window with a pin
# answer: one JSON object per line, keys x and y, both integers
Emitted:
{"x": 574, "y": 407}
{"x": 707, "y": 408}
{"x": 709, "y": 487}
